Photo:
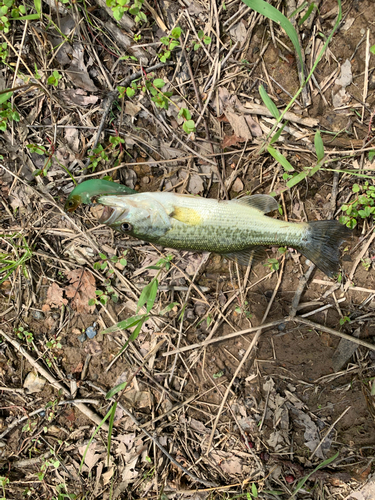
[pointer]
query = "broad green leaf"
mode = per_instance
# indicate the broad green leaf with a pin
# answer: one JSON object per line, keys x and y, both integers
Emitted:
{"x": 176, "y": 32}
{"x": 5, "y": 97}
{"x": 272, "y": 13}
{"x": 159, "y": 83}
{"x": 319, "y": 146}
{"x": 280, "y": 158}
{"x": 148, "y": 295}
{"x": 270, "y": 105}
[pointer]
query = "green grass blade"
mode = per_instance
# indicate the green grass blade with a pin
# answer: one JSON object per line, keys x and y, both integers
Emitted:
{"x": 280, "y": 158}
{"x": 304, "y": 479}
{"x": 110, "y": 429}
{"x": 270, "y": 105}
{"x": 269, "y": 11}
{"x": 307, "y": 15}
{"x": 92, "y": 437}
{"x": 296, "y": 179}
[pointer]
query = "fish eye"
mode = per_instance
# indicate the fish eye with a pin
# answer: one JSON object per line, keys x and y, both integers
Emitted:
{"x": 126, "y": 227}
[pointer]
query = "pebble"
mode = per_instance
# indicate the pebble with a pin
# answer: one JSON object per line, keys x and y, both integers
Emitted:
{"x": 281, "y": 327}
{"x": 90, "y": 332}
{"x": 82, "y": 337}
{"x": 38, "y": 315}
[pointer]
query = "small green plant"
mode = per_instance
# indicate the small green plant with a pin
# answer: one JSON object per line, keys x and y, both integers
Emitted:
{"x": 62, "y": 493}
{"x": 47, "y": 463}
{"x": 11, "y": 260}
{"x": 362, "y": 206}
{"x": 254, "y": 492}
{"x": 170, "y": 42}
{"x": 273, "y": 264}
{"x": 243, "y": 310}
{"x": 9, "y": 11}
{"x": 100, "y": 154}
{"x": 160, "y": 98}
{"x": 7, "y": 112}
{"x": 204, "y": 38}
{"x": 29, "y": 426}
{"x": 102, "y": 265}
{"x": 3, "y": 52}
{"x": 24, "y": 334}
{"x": 54, "y": 78}
{"x": 119, "y": 7}
{"x": 3, "y": 482}
{"x": 344, "y": 319}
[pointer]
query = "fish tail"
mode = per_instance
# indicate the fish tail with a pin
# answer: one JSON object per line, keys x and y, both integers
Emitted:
{"x": 322, "y": 244}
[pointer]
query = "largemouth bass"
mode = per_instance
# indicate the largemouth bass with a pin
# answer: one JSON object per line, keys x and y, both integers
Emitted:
{"x": 84, "y": 192}
{"x": 237, "y": 229}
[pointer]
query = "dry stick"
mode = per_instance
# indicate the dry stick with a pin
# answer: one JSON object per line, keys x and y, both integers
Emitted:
{"x": 329, "y": 431}
{"x": 358, "y": 260}
{"x": 246, "y": 355}
{"x": 84, "y": 409}
{"x": 226, "y": 337}
{"x": 200, "y": 105}
{"x": 317, "y": 326}
{"x": 154, "y": 440}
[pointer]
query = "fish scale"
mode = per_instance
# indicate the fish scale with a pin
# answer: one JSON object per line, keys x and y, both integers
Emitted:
{"x": 235, "y": 228}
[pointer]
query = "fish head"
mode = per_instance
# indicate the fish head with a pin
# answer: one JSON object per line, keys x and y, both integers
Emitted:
{"x": 72, "y": 203}
{"x": 138, "y": 215}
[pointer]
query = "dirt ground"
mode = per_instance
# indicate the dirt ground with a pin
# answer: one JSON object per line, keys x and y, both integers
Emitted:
{"x": 214, "y": 407}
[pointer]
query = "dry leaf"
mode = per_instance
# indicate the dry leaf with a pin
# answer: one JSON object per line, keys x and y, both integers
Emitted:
{"x": 243, "y": 125}
{"x": 81, "y": 290}
{"x": 54, "y": 298}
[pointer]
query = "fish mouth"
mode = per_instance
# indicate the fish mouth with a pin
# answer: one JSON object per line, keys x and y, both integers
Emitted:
{"x": 106, "y": 214}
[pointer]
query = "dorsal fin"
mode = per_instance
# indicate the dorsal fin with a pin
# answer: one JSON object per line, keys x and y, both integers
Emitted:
{"x": 263, "y": 202}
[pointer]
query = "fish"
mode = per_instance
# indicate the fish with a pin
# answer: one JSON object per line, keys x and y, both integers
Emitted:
{"x": 237, "y": 229}
{"x": 84, "y": 192}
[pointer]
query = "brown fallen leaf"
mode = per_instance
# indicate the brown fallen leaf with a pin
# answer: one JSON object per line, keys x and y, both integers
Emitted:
{"x": 81, "y": 290}
{"x": 54, "y": 298}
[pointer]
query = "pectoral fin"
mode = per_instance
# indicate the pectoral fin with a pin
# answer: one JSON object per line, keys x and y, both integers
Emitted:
{"x": 248, "y": 256}
{"x": 263, "y": 202}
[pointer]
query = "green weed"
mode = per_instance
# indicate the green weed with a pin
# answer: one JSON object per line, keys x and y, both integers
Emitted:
{"x": 15, "y": 255}
{"x": 7, "y": 112}
{"x": 119, "y": 7}
{"x": 102, "y": 265}
{"x": 3, "y": 482}
{"x": 170, "y": 42}
{"x": 361, "y": 207}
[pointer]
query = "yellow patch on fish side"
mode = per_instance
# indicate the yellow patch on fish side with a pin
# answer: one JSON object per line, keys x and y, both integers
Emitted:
{"x": 187, "y": 215}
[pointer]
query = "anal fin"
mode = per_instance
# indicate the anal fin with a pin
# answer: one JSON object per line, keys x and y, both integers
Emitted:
{"x": 248, "y": 256}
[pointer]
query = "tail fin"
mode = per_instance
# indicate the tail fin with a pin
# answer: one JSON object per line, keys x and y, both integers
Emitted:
{"x": 323, "y": 244}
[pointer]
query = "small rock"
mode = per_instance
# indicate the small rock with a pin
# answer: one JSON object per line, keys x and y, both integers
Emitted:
{"x": 281, "y": 327}
{"x": 33, "y": 383}
{"x": 82, "y": 337}
{"x": 90, "y": 332}
{"x": 145, "y": 180}
{"x": 38, "y": 315}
